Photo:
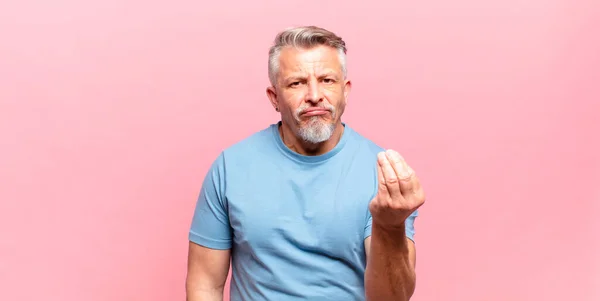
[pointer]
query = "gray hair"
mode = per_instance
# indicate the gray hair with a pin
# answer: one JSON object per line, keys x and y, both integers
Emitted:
{"x": 304, "y": 37}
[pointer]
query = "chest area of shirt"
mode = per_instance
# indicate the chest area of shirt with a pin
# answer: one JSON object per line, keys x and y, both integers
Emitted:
{"x": 322, "y": 210}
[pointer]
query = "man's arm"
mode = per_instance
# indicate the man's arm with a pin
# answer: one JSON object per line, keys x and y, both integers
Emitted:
{"x": 206, "y": 273}
{"x": 391, "y": 261}
{"x": 390, "y": 272}
{"x": 209, "y": 239}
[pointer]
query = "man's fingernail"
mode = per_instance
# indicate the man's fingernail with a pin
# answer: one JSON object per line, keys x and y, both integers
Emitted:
{"x": 403, "y": 173}
{"x": 406, "y": 171}
{"x": 394, "y": 155}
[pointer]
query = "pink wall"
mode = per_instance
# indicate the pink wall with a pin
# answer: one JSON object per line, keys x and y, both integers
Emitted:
{"x": 111, "y": 112}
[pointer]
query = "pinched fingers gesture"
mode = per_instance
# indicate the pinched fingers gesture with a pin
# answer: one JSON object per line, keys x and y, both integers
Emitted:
{"x": 399, "y": 191}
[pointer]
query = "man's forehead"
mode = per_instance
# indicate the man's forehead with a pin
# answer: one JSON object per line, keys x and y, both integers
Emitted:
{"x": 300, "y": 59}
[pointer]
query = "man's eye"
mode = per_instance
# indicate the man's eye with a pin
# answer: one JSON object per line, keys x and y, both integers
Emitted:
{"x": 294, "y": 84}
{"x": 328, "y": 81}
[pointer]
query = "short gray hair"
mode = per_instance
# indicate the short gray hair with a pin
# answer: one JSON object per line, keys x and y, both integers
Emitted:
{"x": 304, "y": 37}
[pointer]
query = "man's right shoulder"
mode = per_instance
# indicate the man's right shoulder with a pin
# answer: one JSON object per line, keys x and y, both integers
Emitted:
{"x": 252, "y": 143}
{"x": 250, "y": 148}
{"x": 238, "y": 160}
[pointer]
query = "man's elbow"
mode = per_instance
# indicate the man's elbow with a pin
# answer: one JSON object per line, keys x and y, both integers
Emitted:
{"x": 204, "y": 295}
{"x": 196, "y": 292}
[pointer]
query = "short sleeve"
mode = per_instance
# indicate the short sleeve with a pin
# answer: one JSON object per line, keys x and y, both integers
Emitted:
{"x": 210, "y": 223}
{"x": 409, "y": 225}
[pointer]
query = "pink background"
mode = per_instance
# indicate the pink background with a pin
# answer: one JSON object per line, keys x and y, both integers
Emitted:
{"x": 111, "y": 112}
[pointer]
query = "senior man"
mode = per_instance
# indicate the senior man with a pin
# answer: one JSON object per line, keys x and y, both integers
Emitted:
{"x": 306, "y": 208}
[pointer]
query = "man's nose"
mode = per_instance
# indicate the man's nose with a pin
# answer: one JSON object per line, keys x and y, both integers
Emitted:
{"x": 314, "y": 93}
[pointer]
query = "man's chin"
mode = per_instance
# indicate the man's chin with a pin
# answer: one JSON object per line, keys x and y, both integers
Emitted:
{"x": 316, "y": 132}
{"x": 322, "y": 120}
{"x": 317, "y": 125}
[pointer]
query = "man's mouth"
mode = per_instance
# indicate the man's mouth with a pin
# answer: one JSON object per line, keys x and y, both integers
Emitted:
{"x": 314, "y": 112}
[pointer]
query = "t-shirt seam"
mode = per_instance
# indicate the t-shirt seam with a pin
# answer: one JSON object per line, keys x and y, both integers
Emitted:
{"x": 209, "y": 242}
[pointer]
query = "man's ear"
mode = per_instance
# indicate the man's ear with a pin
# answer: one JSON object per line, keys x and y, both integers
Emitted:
{"x": 347, "y": 88}
{"x": 272, "y": 94}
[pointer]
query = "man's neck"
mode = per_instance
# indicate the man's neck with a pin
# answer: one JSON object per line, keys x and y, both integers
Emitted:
{"x": 310, "y": 149}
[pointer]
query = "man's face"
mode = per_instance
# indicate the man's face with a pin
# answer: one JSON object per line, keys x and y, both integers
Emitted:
{"x": 310, "y": 91}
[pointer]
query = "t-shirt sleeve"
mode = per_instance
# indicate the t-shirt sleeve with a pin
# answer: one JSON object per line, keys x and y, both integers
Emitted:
{"x": 409, "y": 225}
{"x": 210, "y": 223}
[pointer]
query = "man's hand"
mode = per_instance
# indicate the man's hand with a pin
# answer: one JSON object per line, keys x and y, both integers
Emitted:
{"x": 399, "y": 194}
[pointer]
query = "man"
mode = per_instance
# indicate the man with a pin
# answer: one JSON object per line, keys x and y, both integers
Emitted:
{"x": 307, "y": 208}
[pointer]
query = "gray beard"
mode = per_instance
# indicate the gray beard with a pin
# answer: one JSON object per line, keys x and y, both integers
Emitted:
{"x": 316, "y": 131}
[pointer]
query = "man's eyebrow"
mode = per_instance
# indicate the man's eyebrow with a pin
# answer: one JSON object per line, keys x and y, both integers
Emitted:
{"x": 329, "y": 73}
{"x": 295, "y": 77}
{"x": 300, "y": 76}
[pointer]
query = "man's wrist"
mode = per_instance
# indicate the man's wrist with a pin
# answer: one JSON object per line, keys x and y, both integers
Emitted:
{"x": 394, "y": 236}
{"x": 390, "y": 229}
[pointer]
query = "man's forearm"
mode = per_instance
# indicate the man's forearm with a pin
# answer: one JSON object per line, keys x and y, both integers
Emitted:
{"x": 390, "y": 274}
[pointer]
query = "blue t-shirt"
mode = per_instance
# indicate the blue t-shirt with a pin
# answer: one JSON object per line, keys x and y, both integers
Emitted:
{"x": 295, "y": 224}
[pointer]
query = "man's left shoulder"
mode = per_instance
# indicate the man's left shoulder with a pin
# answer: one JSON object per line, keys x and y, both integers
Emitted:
{"x": 365, "y": 143}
